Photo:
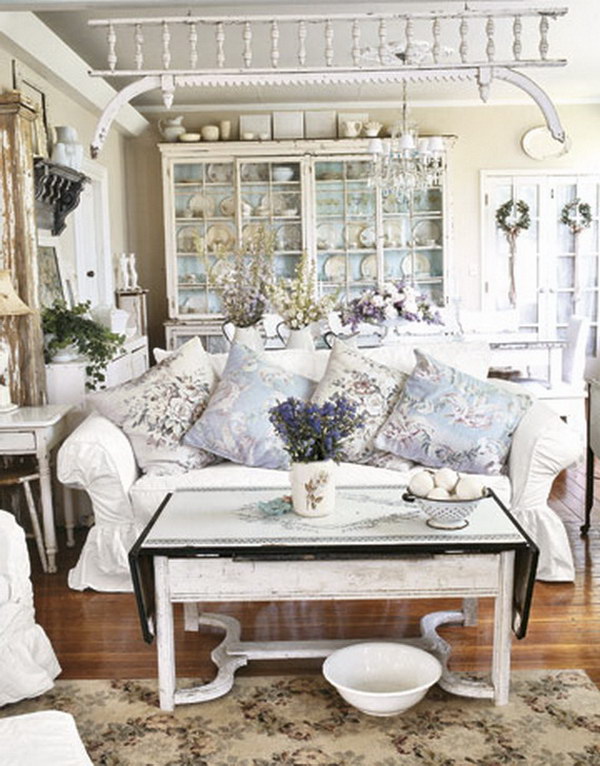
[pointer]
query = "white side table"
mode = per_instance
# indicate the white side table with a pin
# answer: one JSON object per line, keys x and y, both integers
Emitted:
{"x": 35, "y": 431}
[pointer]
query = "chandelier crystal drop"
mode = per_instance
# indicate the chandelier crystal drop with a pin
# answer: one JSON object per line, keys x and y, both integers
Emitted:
{"x": 407, "y": 162}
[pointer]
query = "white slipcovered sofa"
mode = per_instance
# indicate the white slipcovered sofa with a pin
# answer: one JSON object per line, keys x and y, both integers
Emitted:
{"x": 98, "y": 457}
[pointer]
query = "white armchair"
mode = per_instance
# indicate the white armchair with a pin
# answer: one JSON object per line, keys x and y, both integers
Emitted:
{"x": 28, "y": 665}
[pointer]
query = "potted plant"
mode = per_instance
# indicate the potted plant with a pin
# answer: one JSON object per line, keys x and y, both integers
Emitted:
{"x": 73, "y": 330}
{"x": 312, "y": 435}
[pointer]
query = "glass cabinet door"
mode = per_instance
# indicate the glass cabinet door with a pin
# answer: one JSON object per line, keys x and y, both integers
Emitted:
{"x": 270, "y": 193}
{"x": 205, "y": 221}
{"x": 413, "y": 240}
{"x": 345, "y": 226}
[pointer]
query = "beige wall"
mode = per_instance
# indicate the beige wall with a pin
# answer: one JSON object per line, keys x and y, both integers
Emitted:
{"x": 488, "y": 138}
{"x": 64, "y": 110}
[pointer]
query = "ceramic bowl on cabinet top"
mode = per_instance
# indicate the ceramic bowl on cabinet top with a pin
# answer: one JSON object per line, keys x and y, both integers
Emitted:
{"x": 189, "y": 138}
{"x": 382, "y": 678}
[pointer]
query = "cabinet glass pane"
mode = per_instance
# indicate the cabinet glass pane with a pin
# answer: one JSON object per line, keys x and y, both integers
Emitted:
{"x": 346, "y": 225}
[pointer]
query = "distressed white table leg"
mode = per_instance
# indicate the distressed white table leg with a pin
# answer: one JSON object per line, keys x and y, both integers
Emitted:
{"x": 67, "y": 495}
{"x": 191, "y": 616}
{"x": 502, "y": 629}
{"x": 165, "y": 643}
{"x": 470, "y": 607}
{"x": 47, "y": 510}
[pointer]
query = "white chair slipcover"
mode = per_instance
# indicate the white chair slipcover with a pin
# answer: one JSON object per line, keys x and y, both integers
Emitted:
{"x": 28, "y": 665}
{"x": 46, "y": 738}
{"x": 85, "y": 462}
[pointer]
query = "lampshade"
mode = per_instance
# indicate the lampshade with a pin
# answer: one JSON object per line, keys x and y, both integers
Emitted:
{"x": 10, "y": 303}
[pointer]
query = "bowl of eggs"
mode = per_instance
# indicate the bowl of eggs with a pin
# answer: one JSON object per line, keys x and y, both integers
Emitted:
{"x": 446, "y": 497}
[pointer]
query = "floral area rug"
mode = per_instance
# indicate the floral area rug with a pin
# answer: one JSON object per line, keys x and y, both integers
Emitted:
{"x": 553, "y": 719}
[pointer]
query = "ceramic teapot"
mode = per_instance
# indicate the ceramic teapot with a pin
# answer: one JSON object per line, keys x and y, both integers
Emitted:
{"x": 171, "y": 128}
{"x": 351, "y": 128}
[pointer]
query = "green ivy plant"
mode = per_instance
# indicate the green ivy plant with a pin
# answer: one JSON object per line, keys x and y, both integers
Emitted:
{"x": 64, "y": 326}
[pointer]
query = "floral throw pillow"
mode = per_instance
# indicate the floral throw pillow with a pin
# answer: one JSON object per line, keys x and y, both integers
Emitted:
{"x": 156, "y": 409}
{"x": 374, "y": 387}
{"x": 445, "y": 417}
{"x": 235, "y": 424}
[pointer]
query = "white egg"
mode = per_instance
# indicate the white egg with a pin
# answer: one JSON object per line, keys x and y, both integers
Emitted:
{"x": 421, "y": 483}
{"x": 445, "y": 478}
{"x": 469, "y": 488}
{"x": 438, "y": 493}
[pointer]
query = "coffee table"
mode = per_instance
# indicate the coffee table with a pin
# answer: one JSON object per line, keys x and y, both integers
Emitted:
{"x": 218, "y": 545}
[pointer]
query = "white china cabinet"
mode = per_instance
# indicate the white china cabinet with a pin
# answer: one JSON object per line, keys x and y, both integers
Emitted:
{"x": 315, "y": 196}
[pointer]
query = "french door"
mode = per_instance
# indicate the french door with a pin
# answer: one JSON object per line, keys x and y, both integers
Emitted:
{"x": 555, "y": 258}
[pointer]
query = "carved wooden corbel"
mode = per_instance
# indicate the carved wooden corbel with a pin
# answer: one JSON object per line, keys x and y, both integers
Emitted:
{"x": 57, "y": 193}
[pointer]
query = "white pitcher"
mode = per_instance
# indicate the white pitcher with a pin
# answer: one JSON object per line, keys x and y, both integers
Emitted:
{"x": 171, "y": 128}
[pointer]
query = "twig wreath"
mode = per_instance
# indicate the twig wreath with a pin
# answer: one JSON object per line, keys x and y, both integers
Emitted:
{"x": 577, "y": 215}
{"x": 512, "y": 218}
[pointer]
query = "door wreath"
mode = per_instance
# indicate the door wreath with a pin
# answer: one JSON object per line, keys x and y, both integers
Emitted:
{"x": 512, "y": 218}
{"x": 577, "y": 215}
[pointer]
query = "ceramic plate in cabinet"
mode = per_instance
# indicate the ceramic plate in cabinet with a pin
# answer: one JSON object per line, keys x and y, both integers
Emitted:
{"x": 289, "y": 237}
{"x": 188, "y": 239}
{"x": 357, "y": 170}
{"x": 328, "y": 236}
{"x": 426, "y": 233}
{"x": 254, "y": 173}
{"x": 368, "y": 267}
{"x": 334, "y": 268}
{"x": 201, "y": 205}
{"x": 219, "y": 173}
{"x": 367, "y": 236}
{"x": 219, "y": 236}
{"x": 227, "y": 207}
{"x": 352, "y": 232}
{"x": 416, "y": 265}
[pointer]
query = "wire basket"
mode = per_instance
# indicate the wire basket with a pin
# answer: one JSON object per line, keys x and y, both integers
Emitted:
{"x": 445, "y": 513}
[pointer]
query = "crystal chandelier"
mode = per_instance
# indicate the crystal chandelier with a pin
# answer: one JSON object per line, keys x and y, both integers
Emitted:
{"x": 407, "y": 162}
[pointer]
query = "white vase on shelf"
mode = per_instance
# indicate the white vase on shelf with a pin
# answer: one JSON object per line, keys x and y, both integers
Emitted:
{"x": 67, "y": 149}
{"x": 313, "y": 487}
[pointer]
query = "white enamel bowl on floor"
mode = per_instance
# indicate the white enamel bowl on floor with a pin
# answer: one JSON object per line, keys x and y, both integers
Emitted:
{"x": 382, "y": 678}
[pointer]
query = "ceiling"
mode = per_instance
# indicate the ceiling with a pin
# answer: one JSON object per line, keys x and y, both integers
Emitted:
{"x": 573, "y": 37}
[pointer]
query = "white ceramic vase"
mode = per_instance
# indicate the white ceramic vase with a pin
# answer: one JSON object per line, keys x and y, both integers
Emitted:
{"x": 67, "y": 150}
{"x": 313, "y": 487}
{"x": 300, "y": 339}
{"x": 248, "y": 336}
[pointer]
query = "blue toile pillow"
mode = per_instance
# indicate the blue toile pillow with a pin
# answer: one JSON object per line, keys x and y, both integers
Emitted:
{"x": 235, "y": 424}
{"x": 445, "y": 417}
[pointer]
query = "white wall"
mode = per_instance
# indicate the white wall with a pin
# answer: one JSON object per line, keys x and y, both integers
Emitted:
{"x": 63, "y": 110}
{"x": 488, "y": 137}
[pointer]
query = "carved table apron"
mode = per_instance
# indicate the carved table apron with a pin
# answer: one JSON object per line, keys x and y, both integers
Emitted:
{"x": 218, "y": 546}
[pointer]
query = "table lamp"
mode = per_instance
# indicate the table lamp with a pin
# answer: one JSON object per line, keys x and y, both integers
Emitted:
{"x": 10, "y": 305}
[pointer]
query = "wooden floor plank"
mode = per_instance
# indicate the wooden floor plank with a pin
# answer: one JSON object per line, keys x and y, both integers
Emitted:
{"x": 97, "y": 635}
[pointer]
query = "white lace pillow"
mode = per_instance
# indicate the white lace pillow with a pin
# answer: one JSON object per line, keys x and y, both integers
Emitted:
{"x": 156, "y": 409}
{"x": 374, "y": 387}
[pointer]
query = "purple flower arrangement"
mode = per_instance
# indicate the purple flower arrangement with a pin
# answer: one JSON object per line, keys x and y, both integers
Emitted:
{"x": 395, "y": 300}
{"x": 312, "y": 432}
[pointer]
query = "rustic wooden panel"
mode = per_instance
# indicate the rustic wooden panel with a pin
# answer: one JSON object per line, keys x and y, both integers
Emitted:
{"x": 19, "y": 247}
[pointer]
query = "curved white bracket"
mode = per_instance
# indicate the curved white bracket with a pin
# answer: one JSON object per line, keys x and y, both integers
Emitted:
{"x": 483, "y": 76}
{"x": 541, "y": 98}
{"x": 150, "y": 82}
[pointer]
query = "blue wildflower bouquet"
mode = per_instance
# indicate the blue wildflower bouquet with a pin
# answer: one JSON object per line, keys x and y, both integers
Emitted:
{"x": 312, "y": 432}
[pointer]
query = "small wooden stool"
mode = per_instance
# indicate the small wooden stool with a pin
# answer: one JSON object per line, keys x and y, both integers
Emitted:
{"x": 22, "y": 477}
